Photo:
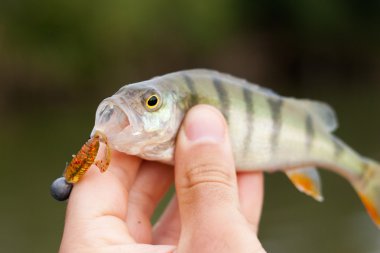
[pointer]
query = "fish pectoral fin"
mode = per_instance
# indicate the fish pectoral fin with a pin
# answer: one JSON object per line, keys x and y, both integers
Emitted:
{"x": 307, "y": 180}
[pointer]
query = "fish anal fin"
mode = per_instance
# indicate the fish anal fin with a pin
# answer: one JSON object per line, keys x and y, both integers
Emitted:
{"x": 307, "y": 180}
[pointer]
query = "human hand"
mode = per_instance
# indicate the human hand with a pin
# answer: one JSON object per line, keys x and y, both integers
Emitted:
{"x": 214, "y": 210}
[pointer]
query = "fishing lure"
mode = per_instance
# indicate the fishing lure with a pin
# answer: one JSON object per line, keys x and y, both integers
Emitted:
{"x": 81, "y": 162}
{"x": 268, "y": 132}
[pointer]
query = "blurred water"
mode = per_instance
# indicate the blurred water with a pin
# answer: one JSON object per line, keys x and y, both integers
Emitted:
{"x": 37, "y": 142}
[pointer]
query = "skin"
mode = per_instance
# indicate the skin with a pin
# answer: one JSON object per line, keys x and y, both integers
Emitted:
{"x": 214, "y": 209}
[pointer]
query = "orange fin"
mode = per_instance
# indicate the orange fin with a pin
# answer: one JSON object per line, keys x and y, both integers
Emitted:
{"x": 371, "y": 209}
{"x": 307, "y": 180}
{"x": 368, "y": 188}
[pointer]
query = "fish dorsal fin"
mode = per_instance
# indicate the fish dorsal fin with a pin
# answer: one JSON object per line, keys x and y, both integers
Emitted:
{"x": 307, "y": 180}
{"x": 320, "y": 112}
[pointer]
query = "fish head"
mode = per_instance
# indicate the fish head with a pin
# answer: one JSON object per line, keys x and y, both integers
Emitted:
{"x": 141, "y": 119}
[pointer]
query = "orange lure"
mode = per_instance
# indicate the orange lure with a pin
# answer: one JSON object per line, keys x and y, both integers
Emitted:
{"x": 86, "y": 157}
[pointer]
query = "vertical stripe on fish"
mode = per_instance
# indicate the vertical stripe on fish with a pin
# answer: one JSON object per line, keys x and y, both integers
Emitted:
{"x": 275, "y": 105}
{"x": 366, "y": 173}
{"x": 310, "y": 132}
{"x": 249, "y": 111}
{"x": 193, "y": 92}
{"x": 223, "y": 97}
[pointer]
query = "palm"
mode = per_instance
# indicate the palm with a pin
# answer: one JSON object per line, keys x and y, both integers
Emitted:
{"x": 111, "y": 212}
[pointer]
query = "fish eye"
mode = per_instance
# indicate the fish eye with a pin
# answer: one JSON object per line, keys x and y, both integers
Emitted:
{"x": 153, "y": 102}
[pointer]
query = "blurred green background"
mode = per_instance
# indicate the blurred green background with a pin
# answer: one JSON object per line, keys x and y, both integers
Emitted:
{"x": 59, "y": 59}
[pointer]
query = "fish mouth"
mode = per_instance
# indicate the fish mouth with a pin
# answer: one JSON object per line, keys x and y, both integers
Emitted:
{"x": 110, "y": 119}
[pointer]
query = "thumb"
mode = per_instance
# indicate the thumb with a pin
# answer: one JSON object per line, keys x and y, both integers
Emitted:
{"x": 205, "y": 174}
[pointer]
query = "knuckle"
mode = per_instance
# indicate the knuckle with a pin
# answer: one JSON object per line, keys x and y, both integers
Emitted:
{"x": 206, "y": 174}
{"x": 142, "y": 199}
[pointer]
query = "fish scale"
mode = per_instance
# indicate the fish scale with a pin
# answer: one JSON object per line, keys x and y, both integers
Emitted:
{"x": 268, "y": 122}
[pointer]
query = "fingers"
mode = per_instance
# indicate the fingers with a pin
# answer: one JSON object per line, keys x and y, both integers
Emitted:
{"x": 104, "y": 194}
{"x": 207, "y": 191}
{"x": 97, "y": 205}
{"x": 204, "y": 169}
{"x": 152, "y": 182}
{"x": 168, "y": 227}
{"x": 133, "y": 248}
{"x": 204, "y": 164}
{"x": 251, "y": 191}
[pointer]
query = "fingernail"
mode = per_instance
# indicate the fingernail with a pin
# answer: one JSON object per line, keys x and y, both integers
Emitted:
{"x": 204, "y": 122}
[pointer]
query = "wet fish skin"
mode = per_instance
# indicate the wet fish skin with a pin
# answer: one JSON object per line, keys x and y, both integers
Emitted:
{"x": 268, "y": 132}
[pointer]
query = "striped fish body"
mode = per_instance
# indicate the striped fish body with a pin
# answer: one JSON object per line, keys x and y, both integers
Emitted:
{"x": 268, "y": 132}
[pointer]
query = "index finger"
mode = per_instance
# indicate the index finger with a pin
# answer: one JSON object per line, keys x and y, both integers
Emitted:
{"x": 99, "y": 194}
{"x": 251, "y": 194}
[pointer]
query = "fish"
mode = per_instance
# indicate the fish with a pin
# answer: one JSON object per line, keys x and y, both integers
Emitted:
{"x": 268, "y": 132}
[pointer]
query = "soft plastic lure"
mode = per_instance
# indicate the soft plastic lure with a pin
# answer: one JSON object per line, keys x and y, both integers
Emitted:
{"x": 81, "y": 162}
{"x": 268, "y": 132}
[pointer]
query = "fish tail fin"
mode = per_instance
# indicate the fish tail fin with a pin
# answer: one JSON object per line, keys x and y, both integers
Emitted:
{"x": 368, "y": 188}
